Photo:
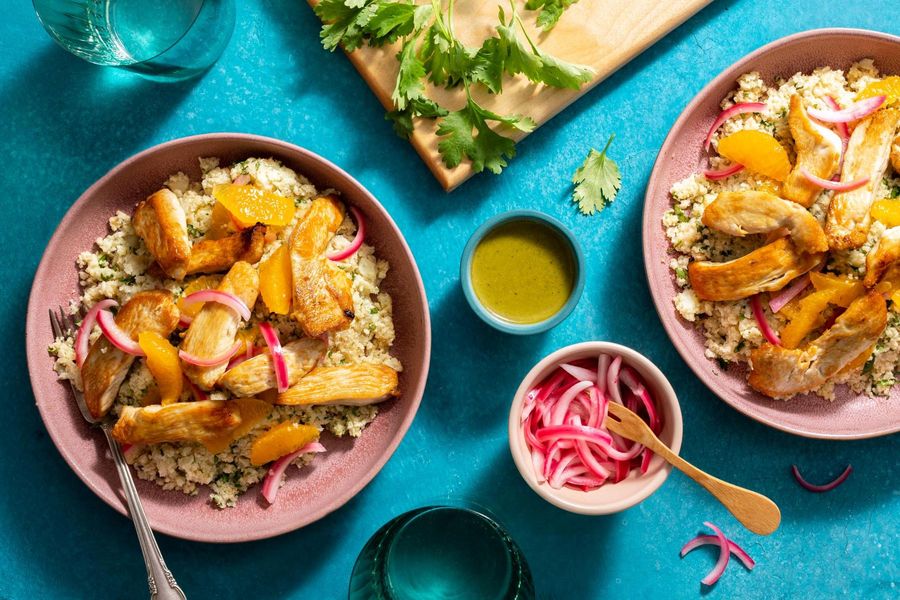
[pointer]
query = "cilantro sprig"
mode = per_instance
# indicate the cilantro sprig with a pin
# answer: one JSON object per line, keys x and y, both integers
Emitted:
{"x": 430, "y": 52}
{"x": 551, "y": 11}
{"x": 597, "y": 181}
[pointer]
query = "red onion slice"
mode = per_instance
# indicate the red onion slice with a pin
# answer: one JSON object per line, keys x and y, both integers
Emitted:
{"x": 272, "y": 482}
{"x": 703, "y": 540}
{"x": 779, "y": 300}
{"x": 821, "y": 488}
{"x": 116, "y": 335}
{"x": 224, "y": 298}
{"x": 724, "y": 555}
{"x": 612, "y": 380}
{"x": 579, "y": 373}
{"x": 281, "y": 371}
{"x": 854, "y": 112}
{"x": 603, "y": 362}
{"x": 838, "y": 186}
{"x": 562, "y": 406}
{"x": 737, "y": 109}
{"x": 842, "y": 130}
{"x": 764, "y": 326}
{"x": 83, "y": 337}
{"x": 357, "y": 239}
{"x": 211, "y": 361}
{"x": 723, "y": 173}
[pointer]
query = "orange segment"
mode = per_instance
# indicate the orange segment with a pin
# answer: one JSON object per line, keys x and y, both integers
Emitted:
{"x": 275, "y": 281}
{"x": 253, "y": 411}
{"x": 250, "y": 205}
{"x": 886, "y": 211}
{"x": 162, "y": 360}
{"x": 204, "y": 282}
{"x": 758, "y": 151}
{"x": 889, "y": 87}
{"x": 807, "y": 318}
{"x": 284, "y": 438}
{"x": 844, "y": 290}
{"x": 222, "y": 224}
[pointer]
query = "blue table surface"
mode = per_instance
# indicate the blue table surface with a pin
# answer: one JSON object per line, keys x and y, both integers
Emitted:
{"x": 65, "y": 123}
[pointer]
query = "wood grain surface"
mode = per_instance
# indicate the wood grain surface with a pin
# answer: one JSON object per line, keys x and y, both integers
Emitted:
{"x": 602, "y": 34}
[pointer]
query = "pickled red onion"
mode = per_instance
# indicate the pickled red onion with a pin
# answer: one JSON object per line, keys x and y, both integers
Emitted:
{"x": 272, "y": 482}
{"x": 579, "y": 373}
{"x": 225, "y": 298}
{"x": 764, "y": 326}
{"x": 724, "y": 555}
{"x": 211, "y": 361}
{"x": 854, "y": 112}
{"x": 821, "y": 488}
{"x": 737, "y": 109}
{"x": 842, "y": 130}
{"x": 357, "y": 239}
{"x": 723, "y": 173}
{"x": 83, "y": 337}
{"x": 703, "y": 540}
{"x": 281, "y": 370}
{"x": 838, "y": 186}
{"x": 116, "y": 335}
{"x": 612, "y": 380}
{"x": 779, "y": 300}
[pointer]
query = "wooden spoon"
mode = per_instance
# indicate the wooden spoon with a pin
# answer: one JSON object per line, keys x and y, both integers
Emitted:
{"x": 755, "y": 511}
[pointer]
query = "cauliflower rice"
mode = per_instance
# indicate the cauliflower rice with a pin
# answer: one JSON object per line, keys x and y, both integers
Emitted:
{"x": 729, "y": 329}
{"x": 117, "y": 269}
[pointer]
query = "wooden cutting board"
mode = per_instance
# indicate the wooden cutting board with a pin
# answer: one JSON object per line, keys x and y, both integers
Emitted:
{"x": 603, "y": 34}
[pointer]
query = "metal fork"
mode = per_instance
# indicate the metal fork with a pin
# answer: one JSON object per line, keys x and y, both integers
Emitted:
{"x": 63, "y": 325}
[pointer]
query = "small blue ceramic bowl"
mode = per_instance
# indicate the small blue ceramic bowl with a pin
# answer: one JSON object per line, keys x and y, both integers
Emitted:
{"x": 465, "y": 273}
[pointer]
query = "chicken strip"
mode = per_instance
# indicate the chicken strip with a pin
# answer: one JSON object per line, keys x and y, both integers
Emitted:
{"x": 213, "y": 329}
{"x": 847, "y": 225}
{"x": 354, "y": 385}
{"x": 818, "y": 151}
{"x": 213, "y": 423}
{"x": 321, "y": 301}
{"x": 257, "y": 374}
{"x": 882, "y": 256}
{"x": 214, "y": 256}
{"x": 895, "y": 155}
{"x": 160, "y": 222}
{"x": 779, "y": 372}
{"x": 766, "y": 269}
{"x": 106, "y": 366}
{"x": 740, "y": 213}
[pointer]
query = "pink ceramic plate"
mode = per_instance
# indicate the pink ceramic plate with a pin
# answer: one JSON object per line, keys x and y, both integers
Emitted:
{"x": 308, "y": 495}
{"x": 849, "y": 416}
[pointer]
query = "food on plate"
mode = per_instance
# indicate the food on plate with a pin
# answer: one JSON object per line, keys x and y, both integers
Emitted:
{"x": 346, "y": 385}
{"x": 106, "y": 365}
{"x": 281, "y": 440}
{"x": 563, "y": 423}
{"x": 523, "y": 271}
{"x": 161, "y": 223}
{"x": 796, "y": 276}
{"x": 188, "y": 356}
{"x": 868, "y": 151}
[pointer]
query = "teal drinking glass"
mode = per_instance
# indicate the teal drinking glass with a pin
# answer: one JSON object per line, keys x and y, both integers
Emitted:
{"x": 441, "y": 553}
{"x": 165, "y": 40}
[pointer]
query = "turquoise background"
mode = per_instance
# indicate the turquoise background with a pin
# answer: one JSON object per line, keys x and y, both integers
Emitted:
{"x": 65, "y": 123}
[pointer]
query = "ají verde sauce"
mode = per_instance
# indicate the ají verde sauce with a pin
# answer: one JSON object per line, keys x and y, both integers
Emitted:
{"x": 523, "y": 271}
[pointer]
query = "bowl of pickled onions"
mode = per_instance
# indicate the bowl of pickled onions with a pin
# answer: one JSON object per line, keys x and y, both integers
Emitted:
{"x": 558, "y": 435}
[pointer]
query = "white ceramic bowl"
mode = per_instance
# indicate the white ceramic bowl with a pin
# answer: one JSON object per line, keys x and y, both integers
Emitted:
{"x": 611, "y": 497}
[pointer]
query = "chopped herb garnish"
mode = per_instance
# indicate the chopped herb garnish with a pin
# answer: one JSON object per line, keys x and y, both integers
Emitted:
{"x": 373, "y": 310}
{"x": 193, "y": 231}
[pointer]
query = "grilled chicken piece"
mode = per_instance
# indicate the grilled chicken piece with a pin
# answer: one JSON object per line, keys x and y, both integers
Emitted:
{"x": 740, "y": 213}
{"x": 213, "y": 329}
{"x": 895, "y": 155}
{"x": 818, "y": 151}
{"x": 213, "y": 423}
{"x": 867, "y": 155}
{"x": 214, "y": 256}
{"x": 766, "y": 269}
{"x": 322, "y": 302}
{"x": 779, "y": 372}
{"x": 161, "y": 223}
{"x": 882, "y": 256}
{"x": 106, "y": 366}
{"x": 257, "y": 374}
{"x": 350, "y": 385}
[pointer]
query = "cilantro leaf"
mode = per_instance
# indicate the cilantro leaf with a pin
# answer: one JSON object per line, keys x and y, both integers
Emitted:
{"x": 411, "y": 77}
{"x": 446, "y": 59}
{"x": 597, "y": 181}
{"x": 345, "y": 22}
{"x": 417, "y": 107}
{"x": 551, "y": 11}
{"x": 488, "y": 65}
{"x": 394, "y": 20}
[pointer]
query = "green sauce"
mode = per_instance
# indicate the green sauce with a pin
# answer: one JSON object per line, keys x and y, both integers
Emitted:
{"x": 523, "y": 271}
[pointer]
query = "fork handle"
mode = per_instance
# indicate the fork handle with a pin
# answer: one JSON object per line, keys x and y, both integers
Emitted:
{"x": 755, "y": 511}
{"x": 159, "y": 578}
